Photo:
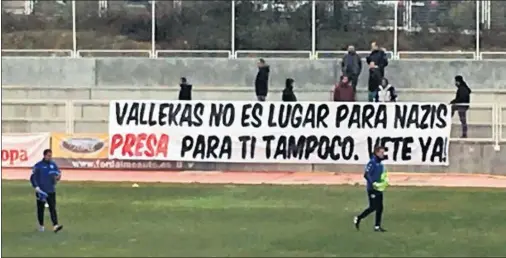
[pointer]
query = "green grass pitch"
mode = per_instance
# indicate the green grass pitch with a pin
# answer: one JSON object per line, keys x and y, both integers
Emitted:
{"x": 104, "y": 219}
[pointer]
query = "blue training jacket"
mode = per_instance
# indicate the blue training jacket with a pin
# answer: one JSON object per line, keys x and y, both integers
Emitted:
{"x": 373, "y": 171}
{"x": 43, "y": 175}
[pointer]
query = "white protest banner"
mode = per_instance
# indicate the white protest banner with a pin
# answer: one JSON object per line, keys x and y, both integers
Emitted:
{"x": 23, "y": 149}
{"x": 279, "y": 132}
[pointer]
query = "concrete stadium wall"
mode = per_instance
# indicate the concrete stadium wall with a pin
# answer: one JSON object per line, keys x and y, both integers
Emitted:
{"x": 92, "y": 117}
{"x": 203, "y": 72}
{"x": 222, "y": 79}
{"x": 227, "y": 93}
{"x": 465, "y": 157}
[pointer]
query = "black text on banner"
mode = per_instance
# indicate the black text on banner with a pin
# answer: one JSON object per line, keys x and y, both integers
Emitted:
{"x": 277, "y": 132}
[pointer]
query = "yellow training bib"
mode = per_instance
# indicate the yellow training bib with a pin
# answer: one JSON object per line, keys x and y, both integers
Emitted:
{"x": 382, "y": 185}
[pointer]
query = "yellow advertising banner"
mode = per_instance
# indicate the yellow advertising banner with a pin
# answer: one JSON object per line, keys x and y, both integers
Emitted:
{"x": 80, "y": 146}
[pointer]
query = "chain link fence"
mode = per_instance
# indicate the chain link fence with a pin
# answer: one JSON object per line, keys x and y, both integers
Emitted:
{"x": 269, "y": 26}
{"x": 493, "y": 30}
{"x": 343, "y": 23}
{"x": 47, "y": 26}
{"x": 119, "y": 27}
{"x": 437, "y": 26}
{"x": 272, "y": 25}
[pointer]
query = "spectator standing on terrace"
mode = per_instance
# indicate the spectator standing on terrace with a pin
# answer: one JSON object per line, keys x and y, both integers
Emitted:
{"x": 374, "y": 81}
{"x": 262, "y": 80}
{"x": 461, "y": 102}
{"x": 351, "y": 66}
{"x": 379, "y": 57}
{"x": 343, "y": 91}
{"x": 386, "y": 92}
{"x": 288, "y": 95}
{"x": 185, "y": 90}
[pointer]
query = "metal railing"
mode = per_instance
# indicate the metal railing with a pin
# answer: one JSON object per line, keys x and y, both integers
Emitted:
{"x": 73, "y": 104}
{"x": 331, "y": 54}
{"x": 473, "y": 114}
{"x": 497, "y": 55}
{"x": 194, "y": 53}
{"x": 113, "y": 53}
{"x": 476, "y": 114}
{"x": 324, "y": 54}
{"x": 38, "y": 52}
{"x": 401, "y": 20}
{"x": 454, "y": 55}
{"x": 501, "y": 122}
{"x": 272, "y": 54}
{"x": 68, "y": 118}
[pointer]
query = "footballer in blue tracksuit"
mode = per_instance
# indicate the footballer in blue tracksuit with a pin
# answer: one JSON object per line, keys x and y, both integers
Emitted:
{"x": 45, "y": 175}
{"x": 373, "y": 175}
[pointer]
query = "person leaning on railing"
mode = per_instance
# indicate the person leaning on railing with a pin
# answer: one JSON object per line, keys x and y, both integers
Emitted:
{"x": 461, "y": 102}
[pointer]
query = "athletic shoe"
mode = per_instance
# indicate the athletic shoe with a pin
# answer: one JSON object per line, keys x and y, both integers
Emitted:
{"x": 41, "y": 228}
{"x": 379, "y": 229}
{"x": 57, "y": 228}
{"x": 356, "y": 221}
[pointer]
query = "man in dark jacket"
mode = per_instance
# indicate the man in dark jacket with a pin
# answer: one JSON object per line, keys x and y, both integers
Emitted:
{"x": 351, "y": 66}
{"x": 376, "y": 181}
{"x": 288, "y": 94}
{"x": 262, "y": 80}
{"x": 185, "y": 90}
{"x": 45, "y": 175}
{"x": 379, "y": 57}
{"x": 461, "y": 102}
{"x": 344, "y": 91}
{"x": 375, "y": 79}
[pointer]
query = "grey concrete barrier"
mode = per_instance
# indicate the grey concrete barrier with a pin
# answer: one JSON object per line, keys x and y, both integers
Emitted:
{"x": 97, "y": 124}
{"x": 93, "y": 116}
{"x": 468, "y": 156}
{"x": 465, "y": 157}
{"x": 213, "y": 72}
{"x": 229, "y": 93}
{"x": 19, "y": 116}
{"x": 37, "y": 71}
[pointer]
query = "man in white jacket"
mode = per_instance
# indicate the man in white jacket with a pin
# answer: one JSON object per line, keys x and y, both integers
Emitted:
{"x": 386, "y": 92}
